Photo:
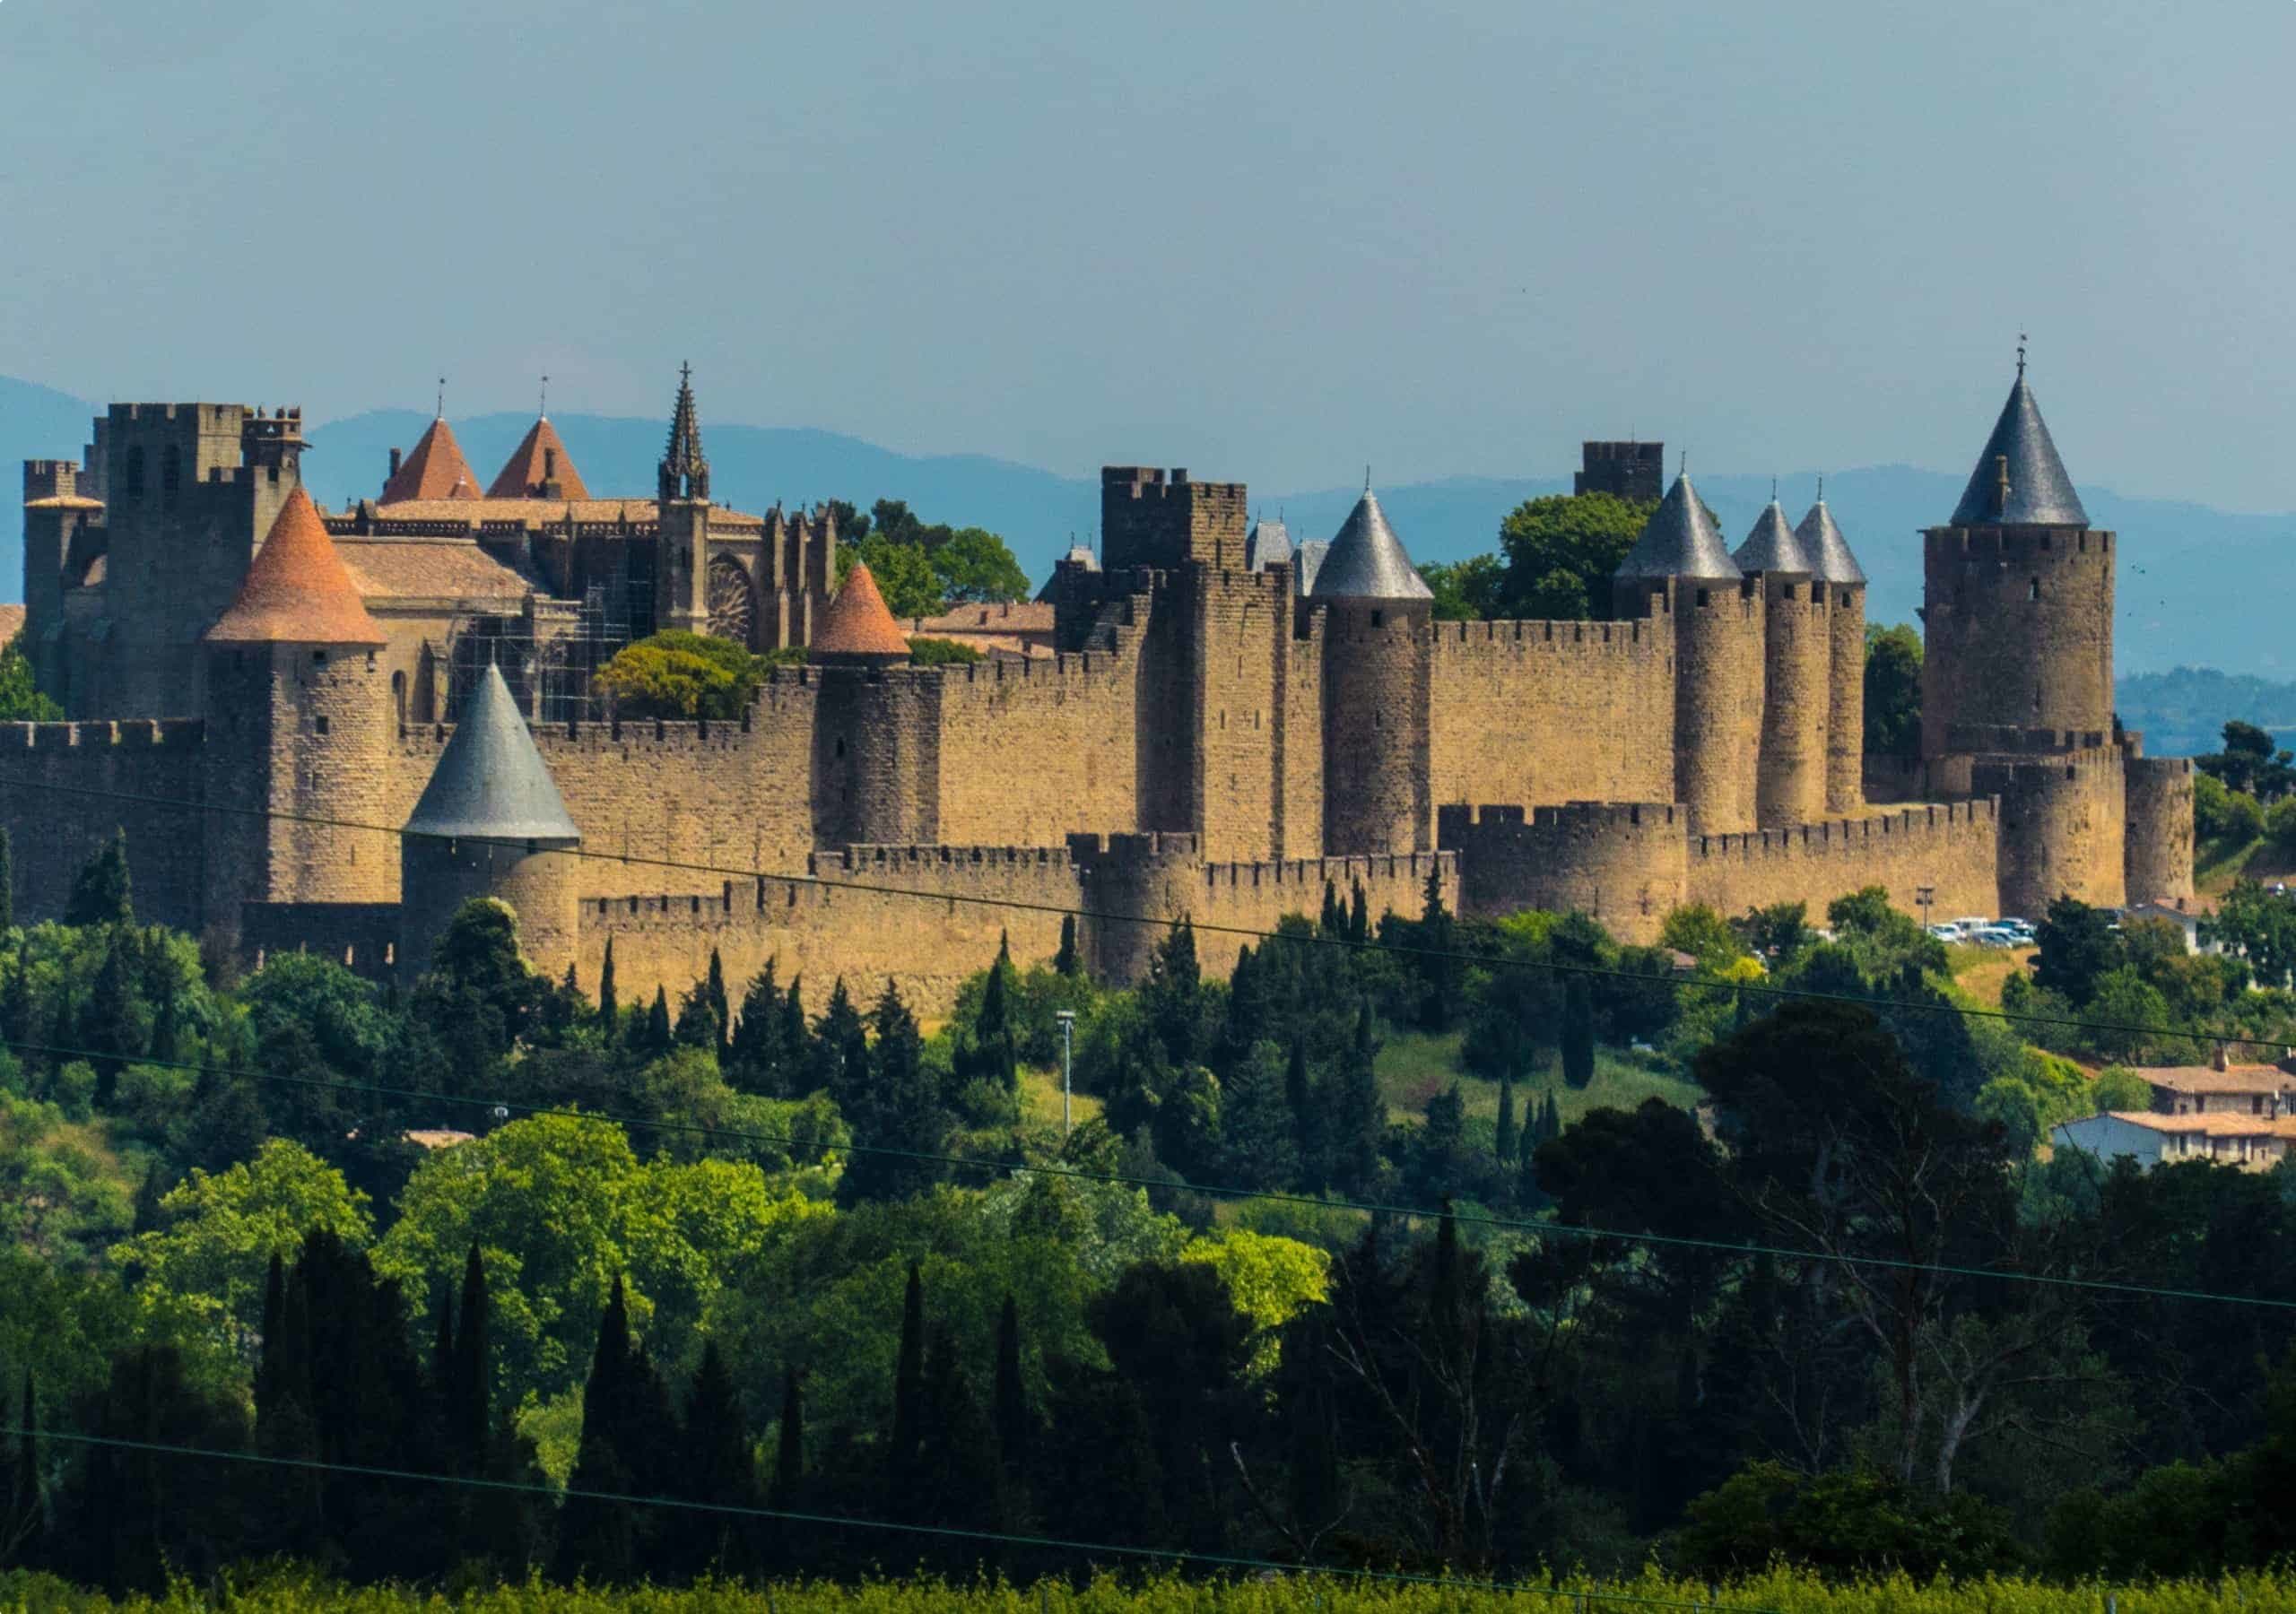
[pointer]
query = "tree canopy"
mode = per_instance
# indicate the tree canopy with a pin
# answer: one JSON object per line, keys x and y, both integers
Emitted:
{"x": 678, "y": 674}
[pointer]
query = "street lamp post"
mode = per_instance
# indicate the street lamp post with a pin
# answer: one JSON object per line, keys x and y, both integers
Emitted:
{"x": 1924, "y": 895}
{"x": 1067, "y": 1019}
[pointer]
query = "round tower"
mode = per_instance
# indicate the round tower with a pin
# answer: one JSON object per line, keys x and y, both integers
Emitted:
{"x": 1844, "y": 583}
{"x": 1790, "y": 774}
{"x": 299, "y": 726}
{"x": 2158, "y": 862}
{"x": 1679, "y": 568}
{"x": 2018, "y": 599}
{"x": 1378, "y": 616}
{"x": 491, "y": 823}
{"x": 872, "y": 742}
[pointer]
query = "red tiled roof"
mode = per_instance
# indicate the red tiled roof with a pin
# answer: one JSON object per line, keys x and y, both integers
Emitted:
{"x": 434, "y": 468}
{"x": 524, "y": 476}
{"x": 427, "y": 568}
{"x": 297, "y": 590}
{"x": 857, "y": 622}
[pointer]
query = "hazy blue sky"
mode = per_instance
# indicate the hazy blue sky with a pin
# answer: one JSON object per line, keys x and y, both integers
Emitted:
{"x": 1267, "y": 241}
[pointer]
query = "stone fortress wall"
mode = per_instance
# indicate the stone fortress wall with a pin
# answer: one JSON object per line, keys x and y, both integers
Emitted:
{"x": 1209, "y": 740}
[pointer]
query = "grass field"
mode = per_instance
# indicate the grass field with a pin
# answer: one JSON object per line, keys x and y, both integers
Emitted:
{"x": 1040, "y": 1098}
{"x": 1413, "y": 1067}
{"x": 1981, "y": 970}
{"x": 1773, "y": 1591}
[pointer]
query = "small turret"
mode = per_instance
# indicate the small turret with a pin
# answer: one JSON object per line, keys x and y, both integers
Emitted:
{"x": 434, "y": 468}
{"x": 1790, "y": 776}
{"x": 1377, "y": 687}
{"x": 2019, "y": 480}
{"x": 491, "y": 823}
{"x": 1773, "y": 547}
{"x": 857, "y": 629}
{"x": 1367, "y": 560}
{"x": 1843, "y": 581}
{"x": 297, "y": 590}
{"x": 1680, "y": 540}
{"x": 539, "y": 467}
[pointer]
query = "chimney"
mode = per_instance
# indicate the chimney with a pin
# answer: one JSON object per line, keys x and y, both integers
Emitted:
{"x": 2218, "y": 1062}
{"x": 395, "y": 458}
{"x": 2000, "y": 484}
{"x": 551, "y": 488}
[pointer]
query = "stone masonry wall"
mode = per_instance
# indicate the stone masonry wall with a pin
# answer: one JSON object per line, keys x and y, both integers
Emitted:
{"x": 2063, "y": 819}
{"x": 1030, "y": 751}
{"x": 54, "y": 832}
{"x": 2017, "y": 626}
{"x": 1719, "y": 697}
{"x": 1300, "y": 737}
{"x": 2159, "y": 832}
{"x": 1620, "y": 863}
{"x": 1241, "y": 628}
{"x": 1790, "y": 777}
{"x": 1551, "y": 712}
{"x": 1954, "y": 849}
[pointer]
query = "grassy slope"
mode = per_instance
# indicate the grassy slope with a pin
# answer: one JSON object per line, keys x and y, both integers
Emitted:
{"x": 1413, "y": 1067}
{"x": 1040, "y": 1098}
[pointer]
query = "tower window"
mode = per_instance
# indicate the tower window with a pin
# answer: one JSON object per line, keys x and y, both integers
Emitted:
{"x": 2033, "y": 589}
{"x": 320, "y": 722}
{"x": 136, "y": 472}
{"x": 170, "y": 473}
{"x": 318, "y": 658}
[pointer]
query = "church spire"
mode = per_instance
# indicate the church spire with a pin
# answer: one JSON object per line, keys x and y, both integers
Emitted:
{"x": 685, "y": 469}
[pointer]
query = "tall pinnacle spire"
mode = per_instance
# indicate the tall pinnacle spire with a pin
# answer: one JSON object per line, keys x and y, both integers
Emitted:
{"x": 685, "y": 469}
{"x": 2019, "y": 480}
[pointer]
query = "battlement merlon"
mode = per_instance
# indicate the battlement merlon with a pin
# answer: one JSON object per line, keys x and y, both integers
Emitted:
{"x": 52, "y": 479}
{"x": 1160, "y": 518}
{"x": 127, "y": 733}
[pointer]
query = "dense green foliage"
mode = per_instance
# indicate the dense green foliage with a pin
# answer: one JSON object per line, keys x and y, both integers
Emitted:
{"x": 774, "y": 1246}
{"x": 922, "y": 568}
{"x": 675, "y": 674}
{"x": 1892, "y": 690}
{"x": 20, "y": 700}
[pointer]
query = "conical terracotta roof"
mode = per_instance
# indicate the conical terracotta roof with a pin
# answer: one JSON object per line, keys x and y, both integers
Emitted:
{"x": 1773, "y": 547}
{"x": 857, "y": 622}
{"x": 490, "y": 782}
{"x": 296, "y": 590}
{"x": 528, "y": 467}
{"x": 434, "y": 468}
{"x": 1680, "y": 541}
{"x": 2021, "y": 452}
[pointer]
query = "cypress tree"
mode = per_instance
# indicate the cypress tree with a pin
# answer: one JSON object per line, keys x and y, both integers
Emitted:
{"x": 996, "y": 1047}
{"x": 1298, "y": 1093}
{"x": 789, "y": 1444}
{"x": 1067, "y": 961}
{"x": 1333, "y": 922}
{"x": 909, "y": 1377}
{"x": 148, "y": 1211}
{"x": 7, "y": 879}
{"x": 1358, "y": 1114}
{"x": 1508, "y": 1144}
{"x": 1529, "y": 1197}
{"x": 657, "y": 1038}
{"x": 697, "y": 1023}
{"x": 1359, "y": 917}
{"x": 841, "y": 1051}
{"x": 468, "y": 1416}
{"x": 1439, "y": 970}
{"x": 1012, "y": 1409}
{"x": 753, "y": 1053}
{"x": 1256, "y": 1124}
{"x": 714, "y": 989}
{"x": 442, "y": 1352}
{"x": 718, "y": 1468}
{"x": 609, "y": 1006}
{"x": 1578, "y": 1033}
{"x": 101, "y": 891}
{"x": 16, "y": 1004}
{"x": 796, "y": 1041}
{"x": 598, "y": 1538}
{"x": 23, "y": 1529}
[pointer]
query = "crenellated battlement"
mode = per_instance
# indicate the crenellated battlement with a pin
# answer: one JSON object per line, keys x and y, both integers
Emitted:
{"x": 1802, "y": 840}
{"x": 1981, "y": 738}
{"x": 128, "y": 734}
{"x": 1641, "y": 637}
{"x": 855, "y": 860}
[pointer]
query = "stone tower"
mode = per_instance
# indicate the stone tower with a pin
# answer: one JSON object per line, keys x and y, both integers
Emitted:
{"x": 491, "y": 823}
{"x": 1630, "y": 471}
{"x": 681, "y": 551}
{"x": 2018, "y": 590}
{"x": 60, "y": 524}
{"x": 1377, "y": 676}
{"x": 1844, "y": 583}
{"x": 874, "y": 756}
{"x": 1790, "y": 775}
{"x": 1678, "y": 570}
{"x": 298, "y": 730}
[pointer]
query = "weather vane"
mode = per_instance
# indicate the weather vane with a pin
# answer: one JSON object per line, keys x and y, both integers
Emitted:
{"x": 542, "y": 405}
{"x": 2020, "y": 355}
{"x": 442, "y": 398}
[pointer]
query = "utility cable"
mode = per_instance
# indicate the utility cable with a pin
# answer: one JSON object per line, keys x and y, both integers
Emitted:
{"x": 1022, "y": 905}
{"x": 1174, "y": 1554}
{"x": 503, "y": 1108}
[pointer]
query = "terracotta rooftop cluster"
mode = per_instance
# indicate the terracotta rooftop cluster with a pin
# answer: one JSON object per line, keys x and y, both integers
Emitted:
{"x": 435, "y": 468}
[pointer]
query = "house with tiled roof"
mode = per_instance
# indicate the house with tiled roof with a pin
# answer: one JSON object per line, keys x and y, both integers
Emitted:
{"x": 2243, "y": 1142}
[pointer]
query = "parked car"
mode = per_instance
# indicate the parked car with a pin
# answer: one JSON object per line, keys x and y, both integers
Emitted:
{"x": 1947, "y": 932}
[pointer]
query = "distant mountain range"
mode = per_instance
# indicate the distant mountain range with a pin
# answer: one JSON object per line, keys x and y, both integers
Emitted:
{"x": 2195, "y": 584}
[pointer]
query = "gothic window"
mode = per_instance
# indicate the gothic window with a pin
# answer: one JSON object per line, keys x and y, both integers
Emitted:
{"x": 171, "y": 473}
{"x": 136, "y": 472}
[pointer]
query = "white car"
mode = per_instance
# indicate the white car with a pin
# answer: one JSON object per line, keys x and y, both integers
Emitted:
{"x": 1948, "y": 931}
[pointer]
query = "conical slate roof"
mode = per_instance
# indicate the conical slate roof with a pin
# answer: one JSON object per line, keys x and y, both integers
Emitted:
{"x": 1773, "y": 547}
{"x": 528, "y": 467}
{"x": 1367, "y": 560}
{"x": 490, "y": 782}
{"x": 434, "y": 468}
{"x": 1822, "y": 542}
{"x": 297, "y": 590}
{"x": 857, "y": 623}
{"x": 2040, "y": 492}
{"x": 1680, "y": 540}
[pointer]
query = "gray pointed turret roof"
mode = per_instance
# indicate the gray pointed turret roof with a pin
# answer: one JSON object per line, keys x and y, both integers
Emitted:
{"x": 1309, "y": 562}
{"x": 1368, "y": 561}
{"x": 1822, "y": 542}
{"x": 1773, "y": 547}
{"x": 2040, "y": 494}
{"x": 1680, "y": 540}
{"x": 1268, "y": 543}
{"x": 491, "y": 781}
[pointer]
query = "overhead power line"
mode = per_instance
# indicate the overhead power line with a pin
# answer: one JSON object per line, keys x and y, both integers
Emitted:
{"x": 1021, "y": 905}
{"x": 1172, "y": 1554}
{"x": 503, "y": 1107}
